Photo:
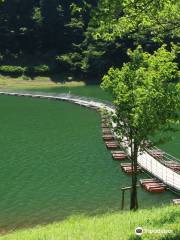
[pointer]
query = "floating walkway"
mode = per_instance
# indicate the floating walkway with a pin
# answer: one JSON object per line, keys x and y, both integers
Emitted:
{"x": 127, "y": 168}
{"x": 108, "y": 137}
{"x": 112, "y": 144}
{"x": 106, "y": 131}
{"x": 155, "y": 163}
{"x": 119, "y": 155}
{"x": 153, "y": 185}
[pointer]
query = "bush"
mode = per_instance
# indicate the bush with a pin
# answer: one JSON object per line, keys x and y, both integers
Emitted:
{"x": 40, "y": 70}
{"x": 72, "y": 61}
{"x": 16, "y": 71}
{"x": 12, "y": 70}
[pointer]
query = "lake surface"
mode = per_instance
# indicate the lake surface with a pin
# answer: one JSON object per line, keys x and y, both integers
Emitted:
{"x": 93, "y": 91}
{"x": 171, "y": 146}
{"x": 53, "y": 164}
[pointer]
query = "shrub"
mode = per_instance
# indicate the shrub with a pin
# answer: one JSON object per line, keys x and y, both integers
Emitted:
{"x": 70, "y": 60}
{"x": 16, "y": 71}
{"x": 12, "y": 70}
{"x": 40, "y": 70}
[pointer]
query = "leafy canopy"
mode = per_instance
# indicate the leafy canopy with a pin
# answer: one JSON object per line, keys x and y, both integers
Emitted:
{"x": 159, "y": 19}
{"x": 146, "y": 93}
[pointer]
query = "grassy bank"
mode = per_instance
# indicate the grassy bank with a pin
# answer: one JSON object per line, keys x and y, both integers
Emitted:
{"x": 114, "y": 226}
{"x": 56, "y": 84}
{"x": 36, "y": 83}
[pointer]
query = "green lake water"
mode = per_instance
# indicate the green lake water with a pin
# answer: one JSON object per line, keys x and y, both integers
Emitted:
{"x": 93, "y": 91}
{"x": 54, "y": 164}
{"x": 172, "y": 145}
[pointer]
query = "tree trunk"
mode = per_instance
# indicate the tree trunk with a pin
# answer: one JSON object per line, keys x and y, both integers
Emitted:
{"x": 134, "y": 155}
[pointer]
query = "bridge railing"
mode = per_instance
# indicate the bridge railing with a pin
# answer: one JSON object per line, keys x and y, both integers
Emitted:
{"x": 157, "y": 169}
{"x": 67, "y": 95}
{"x": 166, "y": 156}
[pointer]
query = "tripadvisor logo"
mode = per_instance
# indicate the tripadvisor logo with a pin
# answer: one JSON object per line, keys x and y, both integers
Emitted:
{"x": 139, "y": 231}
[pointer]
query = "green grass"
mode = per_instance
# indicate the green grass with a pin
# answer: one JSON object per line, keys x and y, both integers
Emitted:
{"x": 114, "y": 226}
{"x": 25, "y": 83}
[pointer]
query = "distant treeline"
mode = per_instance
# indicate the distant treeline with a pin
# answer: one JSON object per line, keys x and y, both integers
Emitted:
{"x": 58, "y": 35}
{"x": 37, "y": 31}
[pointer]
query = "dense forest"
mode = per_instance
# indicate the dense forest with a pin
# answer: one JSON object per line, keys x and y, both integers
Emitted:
{"x": 85, "y": 37}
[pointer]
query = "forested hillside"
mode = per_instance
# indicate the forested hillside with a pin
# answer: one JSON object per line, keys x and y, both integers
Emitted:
{"x": 47, "y": 36}
{"x": 37, "y": 31}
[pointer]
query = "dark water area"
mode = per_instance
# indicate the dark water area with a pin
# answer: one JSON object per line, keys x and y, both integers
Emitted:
{"x": 54, "y": 164}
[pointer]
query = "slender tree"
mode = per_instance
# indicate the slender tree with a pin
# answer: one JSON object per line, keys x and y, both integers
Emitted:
{"x": 147, "y": 98}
